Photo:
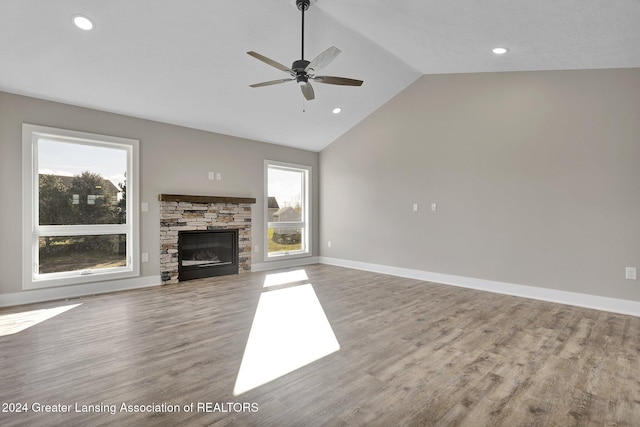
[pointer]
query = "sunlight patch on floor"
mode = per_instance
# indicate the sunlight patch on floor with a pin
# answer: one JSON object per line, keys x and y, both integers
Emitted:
{"x": 16, "y": 322}
{"x": 290, "y": 330}
{"x": 275, "y": 279}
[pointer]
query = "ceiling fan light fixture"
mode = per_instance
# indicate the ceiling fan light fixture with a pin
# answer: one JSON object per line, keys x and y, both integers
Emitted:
{"x": 500, "y": 50}
{"x": 82, "y": 22}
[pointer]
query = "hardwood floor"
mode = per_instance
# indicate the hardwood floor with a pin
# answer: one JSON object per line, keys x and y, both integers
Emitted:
{"x": 411, "y": 353}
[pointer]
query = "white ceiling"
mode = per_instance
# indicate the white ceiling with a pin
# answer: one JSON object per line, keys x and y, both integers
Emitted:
{"x": 185, "y": 62}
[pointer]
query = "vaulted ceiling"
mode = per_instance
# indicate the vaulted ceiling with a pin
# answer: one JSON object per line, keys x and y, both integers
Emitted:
{"x": 185, "y": 62}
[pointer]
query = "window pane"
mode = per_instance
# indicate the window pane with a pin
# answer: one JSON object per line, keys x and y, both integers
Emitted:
{"x": 81, "y": 184}
{"x": 285, "y": 239}
{"x": 76, "y": 253}
{"x": 285, "y": 188}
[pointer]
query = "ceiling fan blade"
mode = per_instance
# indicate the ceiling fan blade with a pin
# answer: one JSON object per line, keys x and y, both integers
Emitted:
{"x": 323, "y": 59}
{"x": 271, "y": 62}
{"x": 343, "y": 81}
{"x": 272, "y": 82}
{"x": 307, "y": 91}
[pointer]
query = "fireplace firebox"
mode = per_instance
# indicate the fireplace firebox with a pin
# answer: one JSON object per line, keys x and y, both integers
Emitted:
{"x": 207, "y": 253}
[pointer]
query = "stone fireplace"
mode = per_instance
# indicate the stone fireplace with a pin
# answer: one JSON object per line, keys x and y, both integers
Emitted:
{"x": 184, "y": 213}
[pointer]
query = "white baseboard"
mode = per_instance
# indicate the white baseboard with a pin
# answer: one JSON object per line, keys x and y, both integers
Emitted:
{"x": 274, "y": 265}
{"x": 614, "y": 305}
{"x": 74, "y": 291}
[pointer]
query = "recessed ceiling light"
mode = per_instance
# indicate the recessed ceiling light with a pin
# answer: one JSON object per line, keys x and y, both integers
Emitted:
{"x": 500, "y": 50}
{"x": 337, "y": 110}
{"x": 82, "y": 22}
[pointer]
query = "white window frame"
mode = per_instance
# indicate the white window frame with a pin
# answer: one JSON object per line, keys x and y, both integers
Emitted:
{"x": 304, "y": 224}
{"x": 32, "y": 230}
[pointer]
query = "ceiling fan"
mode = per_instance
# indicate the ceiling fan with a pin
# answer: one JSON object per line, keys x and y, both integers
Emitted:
{"x": 302, "y": 71}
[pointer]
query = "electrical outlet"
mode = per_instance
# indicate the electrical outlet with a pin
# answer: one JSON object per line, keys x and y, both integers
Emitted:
{"x": 256, "y": 248}
{"x": 329, "y": 244}
{"x": 434, "y": 207}
{"x": 630, "y": 273}
{"x": 415, "y": 207}
{"x": 212, "y": 176}
{"x": 145, "y": 257}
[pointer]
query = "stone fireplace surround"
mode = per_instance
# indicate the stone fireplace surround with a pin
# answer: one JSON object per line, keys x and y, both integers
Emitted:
{"x": 185, "y": 213}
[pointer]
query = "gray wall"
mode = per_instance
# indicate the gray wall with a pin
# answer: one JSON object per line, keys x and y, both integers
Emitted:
{"x": 173, "y": 160}
{"x": 536, "y": 176}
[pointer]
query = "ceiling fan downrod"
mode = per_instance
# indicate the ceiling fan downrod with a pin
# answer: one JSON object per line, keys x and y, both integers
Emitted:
{"x": 302, "y": 6}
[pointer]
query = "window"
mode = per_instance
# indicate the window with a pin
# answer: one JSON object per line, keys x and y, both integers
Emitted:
{"x": 287, "y": 209}
{"x": 79, "y": 199}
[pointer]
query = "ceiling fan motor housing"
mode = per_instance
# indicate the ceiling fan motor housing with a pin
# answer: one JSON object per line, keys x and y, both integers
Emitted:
{"x": 299, "y": 67}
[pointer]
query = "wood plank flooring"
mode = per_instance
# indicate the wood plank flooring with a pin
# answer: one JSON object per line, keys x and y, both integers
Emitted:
{"x": 411, "y": 353}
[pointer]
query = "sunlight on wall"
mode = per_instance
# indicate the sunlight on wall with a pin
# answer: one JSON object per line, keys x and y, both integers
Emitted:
{"x": 17, "y": 322}
{"x": 290, "y": 330}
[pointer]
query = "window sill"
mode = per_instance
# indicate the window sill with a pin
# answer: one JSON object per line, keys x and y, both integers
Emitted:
{"x": 289, "y": 255}
{"x": 78, "y": 279}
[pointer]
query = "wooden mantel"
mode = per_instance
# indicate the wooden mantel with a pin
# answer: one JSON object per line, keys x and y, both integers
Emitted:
{"x": 204, "y": 199}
